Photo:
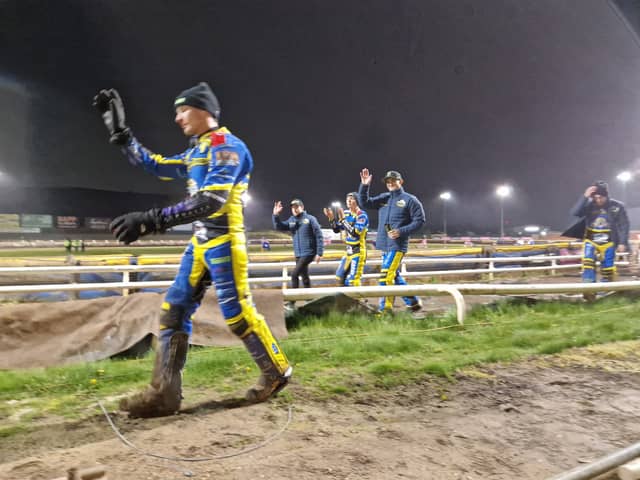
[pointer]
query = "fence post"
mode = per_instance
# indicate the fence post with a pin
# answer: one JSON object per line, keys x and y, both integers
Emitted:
{"x": 403, "y": 268}
{"x": 491, "y": 269}
{"x": 125, "y": 279}
{"x": 553, "y": 265}
{"x": 75, "y": 278}
{"x": 285, "y": 277}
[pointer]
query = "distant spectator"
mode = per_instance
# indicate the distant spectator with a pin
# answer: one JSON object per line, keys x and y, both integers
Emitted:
{"x": 67, "y": 245}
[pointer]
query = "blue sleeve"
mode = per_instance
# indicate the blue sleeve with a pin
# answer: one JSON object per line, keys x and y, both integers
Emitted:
{"x": 317, "y": 231}
{"x": 279, "y": 224}
{"x": 163, "y": 167}
{"x": 418, "y": 219}
{"x": 228, "y": 165}
{"x": 370, "y": 202}
{"x": 362, "y": 223}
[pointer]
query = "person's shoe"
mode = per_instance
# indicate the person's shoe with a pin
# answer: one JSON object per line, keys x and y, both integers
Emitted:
{"x": 415, "y": 307}
{"x": 268, "y": 386}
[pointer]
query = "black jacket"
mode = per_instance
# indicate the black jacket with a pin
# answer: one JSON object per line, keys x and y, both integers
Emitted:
{"x": 587, "y": 211}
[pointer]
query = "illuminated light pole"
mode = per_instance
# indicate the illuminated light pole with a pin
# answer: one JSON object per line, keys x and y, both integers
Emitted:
{"x": 624, "y": 177}
{"x": 502, "y": 192}
{"x": 445, "y": 197}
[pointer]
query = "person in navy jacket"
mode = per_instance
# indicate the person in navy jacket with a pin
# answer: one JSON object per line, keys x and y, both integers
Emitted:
{"x": 308, "y": 243}
{"x": 399, "y": 215}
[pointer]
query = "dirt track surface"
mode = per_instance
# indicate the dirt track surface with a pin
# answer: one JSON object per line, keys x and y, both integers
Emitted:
{"x": 527, "y": 421}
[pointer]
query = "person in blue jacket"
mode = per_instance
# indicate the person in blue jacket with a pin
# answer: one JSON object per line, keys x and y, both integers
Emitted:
{"x": 399, "y": 215}
{"x": 216, "y": 167}
{"x": 308, "y": 243}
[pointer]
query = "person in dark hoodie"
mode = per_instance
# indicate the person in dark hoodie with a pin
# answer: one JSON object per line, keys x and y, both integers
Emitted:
{"x": 399, "y": 215}
{"x": 308, "y": 243}
{"x": 604, "y": 228}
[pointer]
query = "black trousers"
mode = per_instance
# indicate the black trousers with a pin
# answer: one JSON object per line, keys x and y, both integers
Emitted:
{"x": 301, "y": 270}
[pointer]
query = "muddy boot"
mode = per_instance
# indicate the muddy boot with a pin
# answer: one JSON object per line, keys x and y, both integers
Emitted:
{"x": 268, "y": 386}
{"x": 415, "y": 307}
{"x": 163, "y": 396}
{"x": 270, "y": 359}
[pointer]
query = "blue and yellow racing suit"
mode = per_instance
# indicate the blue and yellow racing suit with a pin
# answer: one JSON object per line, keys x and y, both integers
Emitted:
{"x": 217, "y": 168}
{"x": 355, "y": 226}
{"x": 598, "y": 244}
{"x": 602, "y": 229}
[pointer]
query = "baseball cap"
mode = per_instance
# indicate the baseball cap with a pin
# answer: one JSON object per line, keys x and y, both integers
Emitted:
{"x": 297, "y": 201}
{"x": 393, "y": 175}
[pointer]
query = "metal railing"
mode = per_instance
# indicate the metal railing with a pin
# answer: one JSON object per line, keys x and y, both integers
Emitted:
{"x": 552, "y": 264}
{"x": 457, "y": 291}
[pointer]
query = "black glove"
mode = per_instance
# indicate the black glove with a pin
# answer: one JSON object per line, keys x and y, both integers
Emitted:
{"x": 129, "y": 227}
{"x": 110, "y": 106}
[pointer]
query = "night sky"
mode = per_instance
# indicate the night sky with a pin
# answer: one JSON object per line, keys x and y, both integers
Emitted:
{"x": 457, "y": 95}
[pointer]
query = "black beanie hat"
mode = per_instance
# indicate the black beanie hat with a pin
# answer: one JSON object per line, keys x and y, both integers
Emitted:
{"x": 200, "y": 97}
{"x": 601, "y": 188}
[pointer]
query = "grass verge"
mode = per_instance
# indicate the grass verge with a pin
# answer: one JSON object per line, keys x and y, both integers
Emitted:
{"x": 332, "y": 356}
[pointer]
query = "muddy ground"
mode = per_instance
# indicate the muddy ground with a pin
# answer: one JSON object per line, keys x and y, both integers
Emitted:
{"x": 528, "y": 420}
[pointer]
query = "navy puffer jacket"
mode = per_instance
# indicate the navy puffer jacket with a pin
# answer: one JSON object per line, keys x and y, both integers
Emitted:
{"x": 306, "y": 233}
{"x": 397, "y": 210}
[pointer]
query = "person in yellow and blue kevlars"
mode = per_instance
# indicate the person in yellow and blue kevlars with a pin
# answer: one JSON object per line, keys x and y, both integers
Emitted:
{"x": 217, "y": 167}
{"x": 399, "y": 215}
{"x": 604, "y": 228}
{"x": 308, "y": 242}
{"x": 355, "y": 224}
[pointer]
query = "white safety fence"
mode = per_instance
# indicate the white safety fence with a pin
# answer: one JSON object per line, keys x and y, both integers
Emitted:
{"x": 492, "y": 265}
{"x": 550, "y": 263}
